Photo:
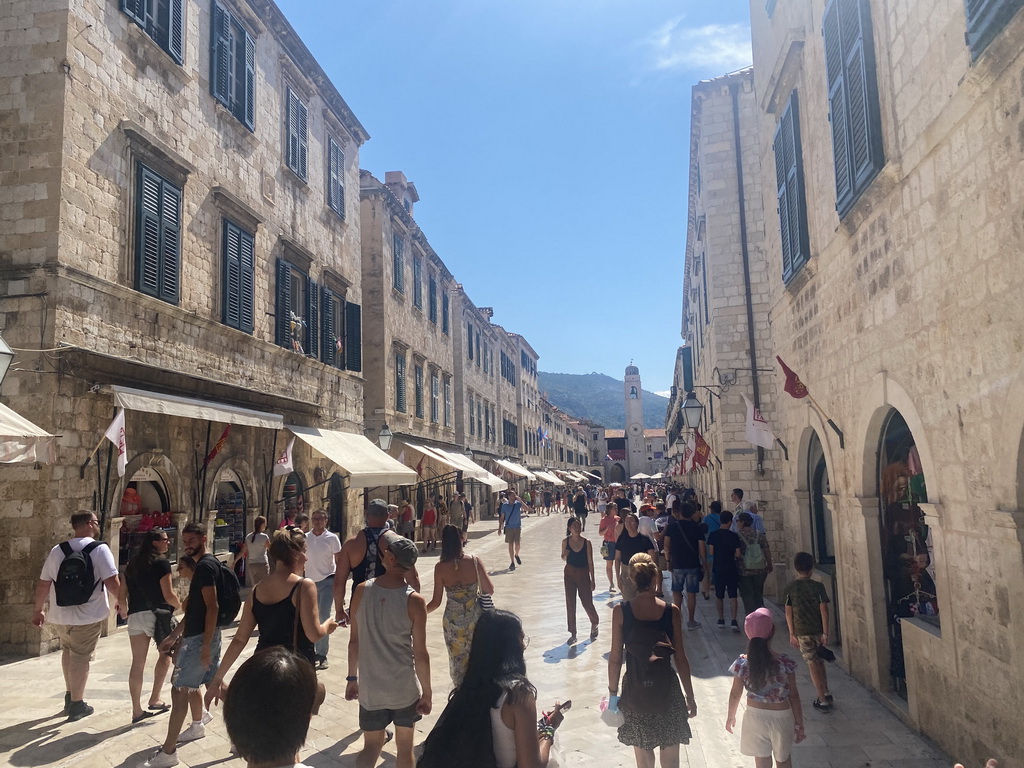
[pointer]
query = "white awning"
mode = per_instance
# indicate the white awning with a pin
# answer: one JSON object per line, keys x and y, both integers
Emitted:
{"x": 22, "y": 442}
{"x": 514, "y": 468}
{"x": 590, "y": 475}
{"x": 473, "y": 471}
{"x": 549, "y": 478}
{"x": 578, "y": 476}
{"x": 190, "y": 408}
{"x": 367, "y": 465}
{"x": 433, "y": 453}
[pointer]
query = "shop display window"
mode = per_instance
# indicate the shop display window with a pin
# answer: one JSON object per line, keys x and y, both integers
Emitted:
{"x": 144, "y": 506}
{"x": 229, "y": 524}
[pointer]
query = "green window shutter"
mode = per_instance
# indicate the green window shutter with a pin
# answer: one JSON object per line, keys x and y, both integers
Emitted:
{"x": 327, "y": 342}
{"x": 221, "y": 56}
{"x": 417, "y": 282}
{"x": 247, "y": 285}
{"x": 297, "y": 130}
{"x": 170, "y": 242}
{"x": 232, "y": 275}
{"x": 688, "y": 369}
{"x": 398, "y": 263}
{"x": 283, "y": 304}
{"x": 985, "y": 18}
{"x": 445, "y": 307}
{"x": 838, "y": 113}
{"x": 400, "y": 404}
{"x": 432, "y": 300}
{"x": 353, "y": 337}
{"x": 312, "y": 320}
{"x": 335, "y": 177}
{"x": 469, "y": 338}
{"x": 176, "y": 30}
{"x": 418, "y": 390}
{"x": 248, "y": 109}
{"x": 862, "y": 91}
{"x": 136, "y": 10}
{"x": 147, "y": 249}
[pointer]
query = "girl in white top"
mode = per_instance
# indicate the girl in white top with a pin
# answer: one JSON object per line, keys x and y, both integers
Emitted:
{"x": 254, "y": 550}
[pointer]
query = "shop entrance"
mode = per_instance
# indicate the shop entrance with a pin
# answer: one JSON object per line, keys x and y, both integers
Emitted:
{"x": 336, "y": 506}
{"x": 294, "y": 495}
{"x": 229, "y": 526}
{"x": 616, "y": 474}
{"x": 823, "y": 545}
{"x": 907, "y": 551}
{"x": 144, "y": 506}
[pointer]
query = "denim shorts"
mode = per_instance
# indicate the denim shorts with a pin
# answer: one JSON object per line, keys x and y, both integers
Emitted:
{"x": 189, "y": 672}
{"x": 686, "y": 579}
{"x": 379, "y": 719}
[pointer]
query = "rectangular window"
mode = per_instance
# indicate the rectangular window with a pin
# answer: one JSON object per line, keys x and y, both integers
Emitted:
{"x": 398, "y": 263}
{"x": 332, "y": 328}
{"x": 435, "y": 398}
{"x": 481, "y": 412}
{"x": 472, "y": 416}
{"x": 469, "y": 339}
{"x": 790, "y": 191}
{"x": 985, "y": 18}
{"x": 400, "y": 402}
{"x": 292, "y": 307}
{"x": 335, "y": 177}
{"x": 447, "y": 401}
{"x": 239, "y": 257}
{"x": 445, "y": 328}
{"x": 162, "y": 20}
{"x": 494, "y": 420}
{"x": 157, "y": 236}
{"x": 296, "y": 134}
{"x": 418, "y": 390}
{"x": 353, "y": 337}
{"x": 853, "y": 98}
{"x": 233, "y": 66}
{"x": 432, "y": 300}
{"x": 487, "y": 353}
{"x": 478, "y": 350}
{"x": 417, "y": 282}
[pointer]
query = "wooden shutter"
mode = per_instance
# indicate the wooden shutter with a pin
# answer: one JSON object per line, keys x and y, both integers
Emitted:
{"x": 302, "y": 127}
{"x": 400, "y": 403}
{"x": 327, "y": 343}
{"x": 398, "y": 263}
{"x": 221, "y": 56}
{"x": 147, "y": 250}
{"x": 985, "y": 18}
{"x": 335, "y": 177}
{"x": 297, "y": 127}
{"x": 248, "y": 109}
{"x": 417, "y": 282}
{"x": 790, "y": 190}
{"x": 136, "y": 10}
{"x": 170, "y": 242}
{"x": 283, "y": 304}
{"x": 353, "y": 337}
{"x": 834, "y": 73}
{"x": 312, "y": 319}
{"x": 176, "y": 29}
{"x": 232, "y": 275}
{"x": 470, "y": 338}
{"x": 444, "y": 313}
{"x": 861, "y": 92}
{"x": 432, "y": 300}
{"x": 247, "y": 285}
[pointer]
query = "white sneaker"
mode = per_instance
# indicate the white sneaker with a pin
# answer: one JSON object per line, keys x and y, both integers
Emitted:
{"x": 192, "y": 733}
{"x": 161, "y": 759}
{"x": 207, "y": 717}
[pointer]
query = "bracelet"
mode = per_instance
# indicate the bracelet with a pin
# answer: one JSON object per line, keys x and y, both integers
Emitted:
{"x": 546, "y": 732}
{"x": 351, "y": 679}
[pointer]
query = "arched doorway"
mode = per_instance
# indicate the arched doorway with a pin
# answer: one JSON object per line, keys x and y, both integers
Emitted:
{"x": 617, "y": 474}
{"x": 336, "y": 505}
{"x": 294, "y": 495}
{"x": 822, "y": 525}
{"x": 907, "y": 550}
{"x": 229, "y": 499}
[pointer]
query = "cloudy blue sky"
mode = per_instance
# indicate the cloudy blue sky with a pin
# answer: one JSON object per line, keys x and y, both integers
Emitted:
{"x": 548, "y": 140}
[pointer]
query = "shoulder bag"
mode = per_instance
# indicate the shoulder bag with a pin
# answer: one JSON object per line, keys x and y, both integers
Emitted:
{"x": 484, "y": 600}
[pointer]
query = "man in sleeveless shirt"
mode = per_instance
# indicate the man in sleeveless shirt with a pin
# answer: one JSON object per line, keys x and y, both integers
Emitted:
{"x": 388, "y": 663}
{"x": 360, "y": 558}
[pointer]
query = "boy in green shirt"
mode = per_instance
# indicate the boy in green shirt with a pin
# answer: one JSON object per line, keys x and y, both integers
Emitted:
{"x": 807, "y": 616}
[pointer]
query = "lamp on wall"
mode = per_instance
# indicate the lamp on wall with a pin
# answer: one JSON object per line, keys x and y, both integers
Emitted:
{"x": 692, "y": 410}
{"x": 6, "y": 357}
{"x": 384, "y": 437}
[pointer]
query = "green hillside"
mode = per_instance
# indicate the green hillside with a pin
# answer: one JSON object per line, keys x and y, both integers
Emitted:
{"x": 599, "y": 398}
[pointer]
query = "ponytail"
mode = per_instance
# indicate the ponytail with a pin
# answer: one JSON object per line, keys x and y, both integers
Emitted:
{"x": 762, "y": 663}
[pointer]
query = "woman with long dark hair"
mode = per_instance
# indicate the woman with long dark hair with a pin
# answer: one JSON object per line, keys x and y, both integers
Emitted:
{"x": 629, "y": 543}
{"x": 578, "y": 577}
{"x": 283, "y": 607}
{"x": 646, "y": 631}
{"x": 774, "y": 719}
{"x": 462, "y": 578}
{"x": 491, "y": 719}
{"x": 254, "y": 551}
{"x": 145, "y": 591}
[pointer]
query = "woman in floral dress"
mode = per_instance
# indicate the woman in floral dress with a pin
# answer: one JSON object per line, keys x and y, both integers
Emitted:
{"x": 463, "y": 578}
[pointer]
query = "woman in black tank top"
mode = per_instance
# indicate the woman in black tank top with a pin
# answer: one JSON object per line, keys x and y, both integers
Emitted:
{"x": 579, "y": 577}
{"x": 283, "y": 607}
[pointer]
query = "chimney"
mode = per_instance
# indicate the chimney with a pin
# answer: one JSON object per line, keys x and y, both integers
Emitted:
{"x": 402, "y": 188}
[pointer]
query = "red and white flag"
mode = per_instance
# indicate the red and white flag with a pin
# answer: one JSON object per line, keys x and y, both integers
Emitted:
{"x": 688, "y": 452}
{"x": 283, "y": 465}
{"x": 758, "y": 432}
{"x": 115, "y": 434}
{"x": 701, "y": 450}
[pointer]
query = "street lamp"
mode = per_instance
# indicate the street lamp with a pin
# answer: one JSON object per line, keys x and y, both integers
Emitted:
{"x": 6, "y": 357}
{"x": 384, "y": 437}
{"x": 692, "y": 410}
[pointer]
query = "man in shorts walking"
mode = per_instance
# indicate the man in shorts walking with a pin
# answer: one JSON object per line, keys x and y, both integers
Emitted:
{"x": 78, "y": 625}
{"x": 510, "y": 520}
{"x": 198, "y": 654}
{"x": 388, "y": 663}
{"x": 687, "y": 555}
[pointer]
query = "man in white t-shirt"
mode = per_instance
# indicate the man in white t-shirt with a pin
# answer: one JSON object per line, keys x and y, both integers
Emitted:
{"x": 323, "y": 556}
{"x": 78, "y": 626}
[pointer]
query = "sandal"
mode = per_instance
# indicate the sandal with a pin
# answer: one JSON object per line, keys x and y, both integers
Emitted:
{"x": 160, "y": 707}
{"x": 143, "y": 716}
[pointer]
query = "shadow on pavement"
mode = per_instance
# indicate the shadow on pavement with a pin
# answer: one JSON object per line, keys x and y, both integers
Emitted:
{"x": 329, "y": 755}
{"x": 566, "y": 651}
{"x": 19, "y": 735}
{"x": 46, "y": 750}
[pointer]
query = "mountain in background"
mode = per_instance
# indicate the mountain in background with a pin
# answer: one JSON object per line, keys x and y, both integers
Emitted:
{"x": 599, "y": 398}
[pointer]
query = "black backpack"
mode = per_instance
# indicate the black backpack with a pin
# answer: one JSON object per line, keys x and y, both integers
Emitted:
{"x": 649, "y": 677}
{"x": 229, "y": 597}
{"x": 75, "y": 578}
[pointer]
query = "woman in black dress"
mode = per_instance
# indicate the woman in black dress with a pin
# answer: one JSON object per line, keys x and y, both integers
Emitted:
{"x": 629, "y": 543}
{"x": 652, "y": 704}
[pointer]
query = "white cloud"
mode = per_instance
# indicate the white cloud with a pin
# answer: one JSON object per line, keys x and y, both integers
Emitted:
{"x": 665, "y": 393}
{"x": 717, "y": 48}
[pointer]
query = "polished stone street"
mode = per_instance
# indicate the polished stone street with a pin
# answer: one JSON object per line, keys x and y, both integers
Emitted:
{"x": 860, "y": 732}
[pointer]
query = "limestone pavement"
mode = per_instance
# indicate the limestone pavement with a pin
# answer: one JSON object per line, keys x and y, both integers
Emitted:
{"x": 858, "y": 733}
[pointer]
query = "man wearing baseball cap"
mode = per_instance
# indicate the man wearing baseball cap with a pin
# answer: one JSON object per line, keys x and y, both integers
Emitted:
{"x": 391, "y": 679}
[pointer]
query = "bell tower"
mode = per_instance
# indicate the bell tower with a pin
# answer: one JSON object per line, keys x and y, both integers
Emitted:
{"x": 636, "y": 457}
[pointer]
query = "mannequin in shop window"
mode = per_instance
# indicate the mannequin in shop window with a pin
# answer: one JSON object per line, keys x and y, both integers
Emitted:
{"x": 908, "y": 554}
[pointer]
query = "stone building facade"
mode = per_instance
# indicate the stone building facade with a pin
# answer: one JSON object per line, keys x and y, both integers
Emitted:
{"x": 177, "y": 209}
{"x": 895, "y": 131}
{"x": 727, "y": 296}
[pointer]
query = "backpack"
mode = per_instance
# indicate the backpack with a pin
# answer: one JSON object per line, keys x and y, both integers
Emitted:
{"x": 649, "y": 678}
{"x": 229, "y": 597}
{"x": 753, "y": 556}
{"x": 75, "y": 578}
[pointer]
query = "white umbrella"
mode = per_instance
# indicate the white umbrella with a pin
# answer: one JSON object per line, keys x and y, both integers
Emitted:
{"x": 657, "y": 476}
{"x": 640, "y": 476}
{"x": 614, "y": 485}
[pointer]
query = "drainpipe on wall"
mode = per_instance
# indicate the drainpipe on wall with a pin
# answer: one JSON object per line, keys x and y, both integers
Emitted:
{"x": 751, "y": 343}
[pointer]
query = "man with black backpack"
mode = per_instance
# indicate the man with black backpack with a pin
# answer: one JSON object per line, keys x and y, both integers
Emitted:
{"x": 212, "y": 603}
{"x": 76, "y": 577}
